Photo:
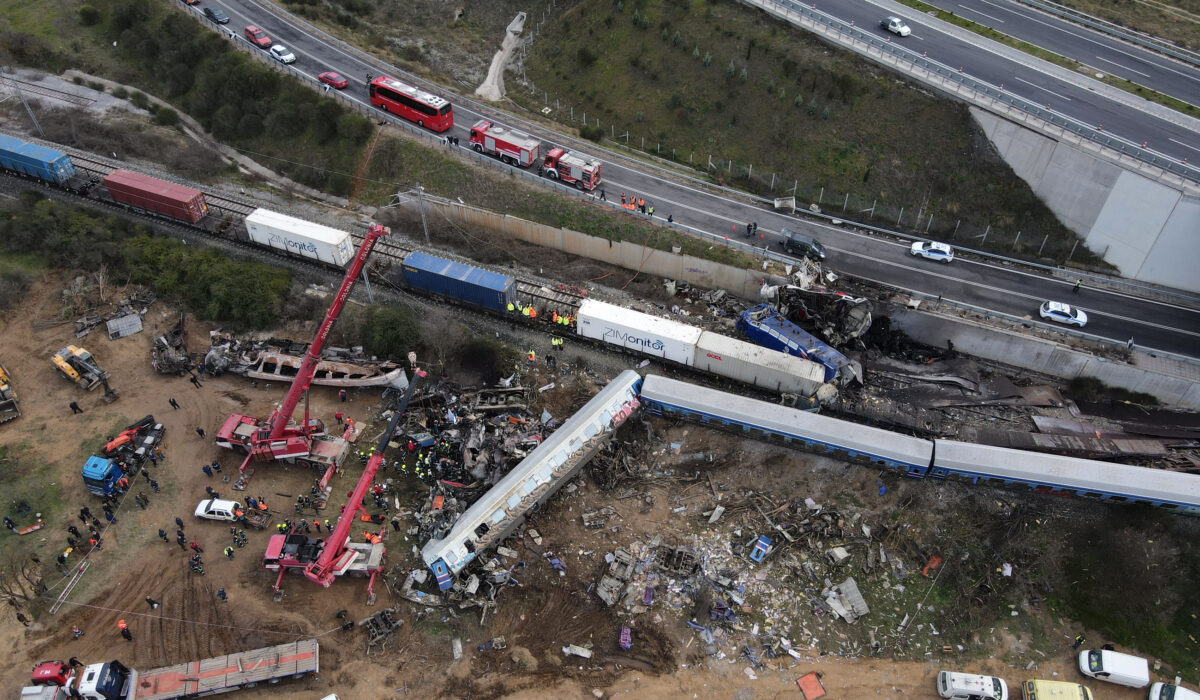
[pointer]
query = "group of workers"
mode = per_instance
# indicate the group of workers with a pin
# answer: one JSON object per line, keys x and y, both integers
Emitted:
{"x": 635, "y": 203}
{"x": 530, "y": 311}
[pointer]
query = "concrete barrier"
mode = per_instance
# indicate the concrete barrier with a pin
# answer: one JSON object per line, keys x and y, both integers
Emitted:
{"x": 1049, "y": 356}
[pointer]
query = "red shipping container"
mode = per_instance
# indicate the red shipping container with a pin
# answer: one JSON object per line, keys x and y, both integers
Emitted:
{"x": 152, "y": 194}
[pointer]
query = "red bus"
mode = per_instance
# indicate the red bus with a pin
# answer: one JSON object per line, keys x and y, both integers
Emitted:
{"x": 412, "y": 103}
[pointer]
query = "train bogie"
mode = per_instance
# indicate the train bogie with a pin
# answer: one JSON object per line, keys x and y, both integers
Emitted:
{"x": 32, "y": 160}
{"x": 299, "y": 237}
{"x": 469, "y": 285}
{"x": 157, "y": 196}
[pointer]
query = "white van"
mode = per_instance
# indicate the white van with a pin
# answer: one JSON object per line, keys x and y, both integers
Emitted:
{"x": 969, "y": 686}
{"x": 1166, "y": 691}
{"x": 1054, "y": 690}
{"x": 1115, "y": 667}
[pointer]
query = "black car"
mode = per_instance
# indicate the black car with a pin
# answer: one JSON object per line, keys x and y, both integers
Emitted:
{"x": 802, "y": 245}
{"x": 216, "y": 14}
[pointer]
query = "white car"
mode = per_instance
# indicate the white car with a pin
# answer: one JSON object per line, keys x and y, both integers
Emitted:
{"x": 280, "y": 53}
{"x": 216, "y": 509}
{"x": 1063, "y": 313}
{"x": 1166, "y": 691}
{"x": 895, "y": 25}
{"x": 970, "y": 686}
{"x": 932, "y": 250}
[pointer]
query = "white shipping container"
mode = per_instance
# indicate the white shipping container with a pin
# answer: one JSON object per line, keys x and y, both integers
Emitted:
{"x": 300, "y": 237}
{"x": 756, "y": 365}
{"x": 643, "y": 333}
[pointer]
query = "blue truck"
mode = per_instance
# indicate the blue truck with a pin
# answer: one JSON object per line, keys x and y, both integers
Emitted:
{"x": 123, "y": 454}
{"x": 765, "y": 326}
{"x": 101, "y": 474}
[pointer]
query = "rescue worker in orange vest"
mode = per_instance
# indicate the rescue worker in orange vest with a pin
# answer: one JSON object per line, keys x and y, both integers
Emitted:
{"x": 554, "y": 316}
{"x": 532, "y": 312}
{"x": 532, "y": 357}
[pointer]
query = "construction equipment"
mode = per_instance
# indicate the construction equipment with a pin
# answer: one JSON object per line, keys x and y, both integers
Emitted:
{"x": 78, "y": 365}
{"x": 9, "y": 406}
{"x": 323, "y": 560}
{"x": 278, "y": 438}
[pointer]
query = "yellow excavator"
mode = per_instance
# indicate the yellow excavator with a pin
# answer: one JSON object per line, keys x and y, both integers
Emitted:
{"x": 77, "y": 365}
{"x": 9, "y": 407}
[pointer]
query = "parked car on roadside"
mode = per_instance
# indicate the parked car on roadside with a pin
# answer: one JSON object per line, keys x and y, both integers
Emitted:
{"x": 216, "y": 14}
{"x": 970, "y": 686}
{"x": 1115, "y": 667}
{"x": 1167, "y": 691}
{"x": 932, "y": 250}
{"x": 281, "y": 53}
{"x": 1063, "y": 313}
{"x": 801, "y": 244}
{"x": 895, "y": 25}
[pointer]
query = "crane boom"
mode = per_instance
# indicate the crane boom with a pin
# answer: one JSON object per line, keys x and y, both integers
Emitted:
{"x": 279, "y": 419}
{"x": 321, "y": 571}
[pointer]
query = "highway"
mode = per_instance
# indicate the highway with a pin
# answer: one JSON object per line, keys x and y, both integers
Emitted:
{"x": 1095, "y": 49}
{"x": 1027, "y": 81}
{"x": 985, "y": 284}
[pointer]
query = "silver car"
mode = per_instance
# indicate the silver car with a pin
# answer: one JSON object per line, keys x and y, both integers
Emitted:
{"x": 1063, "y": 313}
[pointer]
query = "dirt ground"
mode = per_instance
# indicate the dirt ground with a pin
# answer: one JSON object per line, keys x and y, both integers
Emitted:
{"x": 537, "y": 618}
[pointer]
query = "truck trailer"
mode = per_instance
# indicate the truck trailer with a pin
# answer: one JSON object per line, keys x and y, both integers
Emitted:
{"x": 112, "y": 680}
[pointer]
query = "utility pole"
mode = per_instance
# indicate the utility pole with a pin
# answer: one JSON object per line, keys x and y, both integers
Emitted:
{"x": 21, "y": 96}
{"x": 421, "y": 206}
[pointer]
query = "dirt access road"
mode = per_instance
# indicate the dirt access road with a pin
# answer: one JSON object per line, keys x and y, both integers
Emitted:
{"x": 192, "y": 623}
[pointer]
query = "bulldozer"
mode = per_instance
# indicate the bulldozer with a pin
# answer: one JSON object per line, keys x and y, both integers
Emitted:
{"x": 9, "y": 406}
{"x": 77, "y": 365}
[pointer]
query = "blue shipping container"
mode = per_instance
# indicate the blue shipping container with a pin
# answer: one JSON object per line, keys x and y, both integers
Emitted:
{"x": 467, "y": 284}
{"x": 766, "y": 327}
{"x": 35, "y": 161}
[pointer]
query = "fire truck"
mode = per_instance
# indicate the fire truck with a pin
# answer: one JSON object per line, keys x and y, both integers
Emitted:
{"x": 519, "y": 148}
{"x": 562, "y": 165}
{"x": 509, "y": 145}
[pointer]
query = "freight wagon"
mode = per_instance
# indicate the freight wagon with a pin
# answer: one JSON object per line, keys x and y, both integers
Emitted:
{"x": 156, "y": 196}
{"x": 639, "y": 332}
{"x": 34, "y": 161}
{"x": 762, "y": 367}
{"x": 299, "y": 237}
{"x": 470, "y": 285}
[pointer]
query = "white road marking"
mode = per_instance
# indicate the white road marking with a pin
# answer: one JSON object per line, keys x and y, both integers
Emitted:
{"x": 971, "y": 9}
{"x": 1181, "y": 143}
{"x": 1039, "y": 87}
{"x": 1118, "y": 65}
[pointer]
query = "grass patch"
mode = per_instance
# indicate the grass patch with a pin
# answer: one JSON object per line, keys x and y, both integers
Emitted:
{"x": 704, "y": 79}
{"x": 1176, "y": 22}
{"x": 395, "y": 158}
{"x": 1132, "y": 578}
{"x": 203, "y": 280}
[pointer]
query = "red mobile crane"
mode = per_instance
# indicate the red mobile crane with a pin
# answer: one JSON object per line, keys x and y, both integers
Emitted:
{"x": 323, "y": 560}
{"x": 277, "y": 438}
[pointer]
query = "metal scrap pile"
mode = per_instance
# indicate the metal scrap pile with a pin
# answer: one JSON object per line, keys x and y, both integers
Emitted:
{"x": 124, "y": 320}
{"x": 169, "y": 354}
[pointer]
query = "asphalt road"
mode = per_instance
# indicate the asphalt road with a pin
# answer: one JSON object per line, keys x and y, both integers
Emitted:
{"x": 1080, "y": 104}
{"x": 989, "y": 285}
{"x": 1109, "y": 55}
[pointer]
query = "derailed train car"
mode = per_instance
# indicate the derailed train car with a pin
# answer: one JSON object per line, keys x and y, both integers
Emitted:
{"x": 551, "y": 464}
{"x": 34, "y": 161}
{"x": 917, "y": 457}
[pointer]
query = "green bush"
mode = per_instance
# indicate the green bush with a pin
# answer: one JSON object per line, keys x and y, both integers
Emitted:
{"x": 390, "y": 331}
{"x": 592, "y": 133}
{"x": 89, "y": 16}
{"x": 166, "y": 116}
{"x": 140, "y": 100}
{"x": 120, "y": 92}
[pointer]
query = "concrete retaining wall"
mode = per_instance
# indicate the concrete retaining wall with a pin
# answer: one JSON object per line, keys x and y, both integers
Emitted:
{"x": 1045, "y": 356}
{"x": 631, "y": 256}
{"x": 1145, "y": 228}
